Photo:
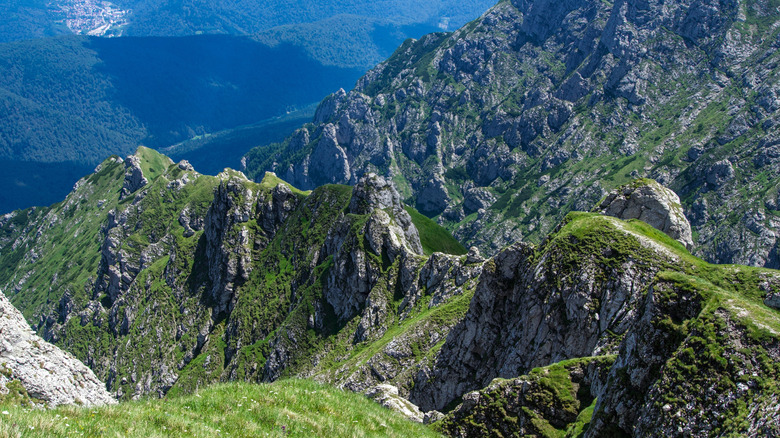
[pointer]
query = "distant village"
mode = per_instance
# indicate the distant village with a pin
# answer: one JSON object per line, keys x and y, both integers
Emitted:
{"x": 91, "y": 17}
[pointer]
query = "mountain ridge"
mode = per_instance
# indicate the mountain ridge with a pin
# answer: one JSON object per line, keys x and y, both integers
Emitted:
{"x": 165, "y": 281}
{"x": 540, "y": 108}
{"x": 579, "y": 323}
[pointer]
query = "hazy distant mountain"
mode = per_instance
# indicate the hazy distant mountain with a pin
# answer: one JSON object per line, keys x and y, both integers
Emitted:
{"x": 72, "y": 101}
{"x": 24, "y": 19}
{"x": 67, "y": 102}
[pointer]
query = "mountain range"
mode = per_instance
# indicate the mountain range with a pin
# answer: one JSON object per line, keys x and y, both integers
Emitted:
{"x": 165, "y": 281}
{"x": 512, "y": 229}
{"x": 70, "y": 101}
{"x": 540, "y": 108}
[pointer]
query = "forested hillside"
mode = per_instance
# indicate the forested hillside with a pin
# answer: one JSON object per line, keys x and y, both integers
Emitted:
{"x": 25, "y": 19}
{"x": 70, "y": 101}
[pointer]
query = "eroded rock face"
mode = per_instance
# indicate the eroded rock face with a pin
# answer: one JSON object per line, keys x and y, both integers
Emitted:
{"x": 228, "y": 251}
{"x": 501, "y": 153}
{"x": 46, "y": 372}
{"x": 134, "y": 176}
{"x": 636, "y": 397}
{"x": 531, "y": 309}
{"x": 375, "y": 193}
{"x": 389, "y": 232}
{"x": 652, "y": 203}
{"x": 514, "y": 407}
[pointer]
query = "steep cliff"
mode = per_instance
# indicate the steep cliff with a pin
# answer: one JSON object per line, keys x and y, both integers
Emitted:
{"x": 542, "y": 107}
{"x": 164, "y": 281}
{"x": 695, "y": 348}
{"x": 159, "y": 277}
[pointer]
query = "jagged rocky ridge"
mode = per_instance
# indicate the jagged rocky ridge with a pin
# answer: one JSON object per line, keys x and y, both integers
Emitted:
{"x": 32, "y": 370}
{"x": 188, "y": 279}
{"x": 696, "y": 352}
{"x": 163, "y": 279}
{"x": 542, "y": 107}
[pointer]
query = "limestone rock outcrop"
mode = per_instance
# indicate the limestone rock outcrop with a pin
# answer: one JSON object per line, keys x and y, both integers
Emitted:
{"x": 388, "y": 233}
{"x": 134, "y": 176}
{"x": 387, "y": 396}
{"x": 650, "y": 202}
{"x": 48, "y": 374}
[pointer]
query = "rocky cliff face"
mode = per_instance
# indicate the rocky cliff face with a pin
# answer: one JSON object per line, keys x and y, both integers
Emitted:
{"x": 192, "y": 279}
{"x": 38, "y": 370}
{"x": 537, "y": 306}
{"x": 685, "y": 348}
{"x": 542, "y": 107}
{"x": 164, "y": 279}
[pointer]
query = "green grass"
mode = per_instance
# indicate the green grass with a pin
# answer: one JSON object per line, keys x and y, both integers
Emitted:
{"x": 580, "y": 426}
{"x": 153, "y": 163}
{"x": 285, "y": 408}
{"x": 70, "y": 253}
{"x": 532, "y": 396}
{"x": 434, "y": 237}
{"x": 270, "y": 181}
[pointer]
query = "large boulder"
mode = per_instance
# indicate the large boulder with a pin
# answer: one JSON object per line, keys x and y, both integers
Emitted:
{"x": 647, "y": 200}
{"x": 47, "y": 373}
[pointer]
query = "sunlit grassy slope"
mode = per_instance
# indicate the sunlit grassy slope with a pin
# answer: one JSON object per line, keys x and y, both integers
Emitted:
{"x": 299, "y": 408}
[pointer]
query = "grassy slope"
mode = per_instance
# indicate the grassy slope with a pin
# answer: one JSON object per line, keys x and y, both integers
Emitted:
{"x": 71, "y": 251}
{"x": 153, "y": 164}
{"x": 284, "y": 408}
{"x": 434, "y": 237}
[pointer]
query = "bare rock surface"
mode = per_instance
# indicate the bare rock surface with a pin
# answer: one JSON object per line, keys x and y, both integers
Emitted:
{"x": 134, "y": 176}
{"x": 650, "y": 202}
{"x": 387, "y": 396}
{"x": 46, "y": 372}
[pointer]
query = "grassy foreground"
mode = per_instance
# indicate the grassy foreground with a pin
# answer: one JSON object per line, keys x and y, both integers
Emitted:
{"x": 286, "y": 408}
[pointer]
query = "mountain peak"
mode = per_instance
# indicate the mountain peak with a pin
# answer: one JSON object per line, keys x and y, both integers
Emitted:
{"x": 375, "y": 195}
{"x": 373, "y": 191}
{"x": 647, "y": 200}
